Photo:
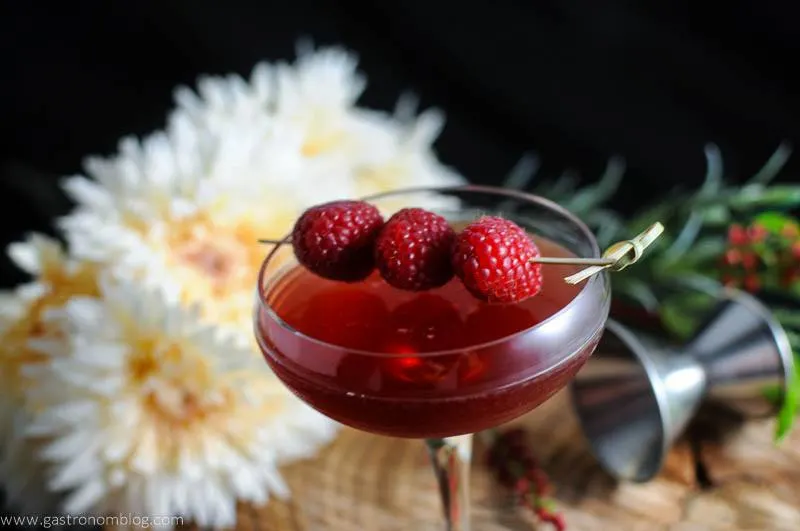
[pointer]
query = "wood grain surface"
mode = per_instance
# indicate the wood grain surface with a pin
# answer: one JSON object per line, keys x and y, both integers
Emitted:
{"x": 722, "y": 475}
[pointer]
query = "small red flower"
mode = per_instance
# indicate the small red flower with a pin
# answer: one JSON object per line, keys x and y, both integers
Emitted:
{"x": 749, "y": 260}
{"x": 556, "y": 520}
{"x": 737, "y": 235}
{"x": 752, "y": 283}
{"x": 515, "y": 468}
{"x": 732, "y": 257}
{"x": 757, "y": 233}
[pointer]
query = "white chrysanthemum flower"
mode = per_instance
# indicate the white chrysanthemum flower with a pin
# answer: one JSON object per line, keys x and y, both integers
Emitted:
{"x": 412, "y": 162}
{"x": 129, "y": 401}
{"x": 25, "y": 476}
{"x": 163, "y": 212}
{"x": 239, "y": 162}
{"x": 317, "y": 96}
{"x": 311, "y": 105}
{"x": 221, "y": 100}
{"x": 56, "y": 279}
{"x": 149, "y": 411}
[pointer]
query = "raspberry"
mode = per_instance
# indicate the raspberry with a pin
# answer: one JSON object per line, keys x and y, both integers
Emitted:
{"x": 336, "y": 240}
{"x": 492, "y": 257}
{"x": 413, "y": 250}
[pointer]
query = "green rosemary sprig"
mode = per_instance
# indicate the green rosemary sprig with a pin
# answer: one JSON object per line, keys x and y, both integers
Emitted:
{"x": 700, "y": 247}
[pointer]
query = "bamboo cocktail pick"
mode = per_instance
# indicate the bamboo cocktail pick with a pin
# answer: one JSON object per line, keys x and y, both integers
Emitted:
{"x": 616, "y": 258}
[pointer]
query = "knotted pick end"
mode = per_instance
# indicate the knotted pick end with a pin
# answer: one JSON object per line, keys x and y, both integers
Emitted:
{"x": 623, "y": 254}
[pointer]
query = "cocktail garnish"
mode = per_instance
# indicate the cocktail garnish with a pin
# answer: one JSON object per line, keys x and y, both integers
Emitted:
{"x": 416, "y": 250}
{"x": 337, "y": 240}
{"x": 413, "y": 250}
{"x": 494, "y": 258}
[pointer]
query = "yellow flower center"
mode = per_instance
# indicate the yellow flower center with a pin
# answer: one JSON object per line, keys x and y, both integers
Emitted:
{"x": 322, "y": 142}
{"x": 177, "y": 385}
{"x": 216, "y": 262}
{"x": 187, "y": 403}
{"x": 323, "y": 134}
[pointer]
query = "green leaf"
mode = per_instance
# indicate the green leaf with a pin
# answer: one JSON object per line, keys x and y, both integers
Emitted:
{"x": 685, "y": 239}
{"x": 750, "y": 197}
{"x": 767, "y": 255}
{"x": 677, "y": 322}
{"x": 791, "y": 401}
{"x": 608, "y": 226}
{"x": 788, "y": 411}
{"x": 564, "y": 185}
{"x": 773, "y": 197}
{"x": 639, "y": 291}
{"x": 682, "y": 313}
{"x": 787, "y": 318}
{"x": 775, "y": 222}
{"x": 597, "y": 194}
{"x": 773, "y": 166}
{"x": 699, "y": 262}
{"x": 663, "y": 212}
{"x": 694, "y": 224}
{"x": 717, "y": 216}
{"x": 705, "y": 251}
{"x": 714, "y": 172}
{"x": 523, "y": 172}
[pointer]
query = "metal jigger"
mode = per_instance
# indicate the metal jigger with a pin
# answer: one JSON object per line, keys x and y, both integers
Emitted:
{"x": 637, "y": 393}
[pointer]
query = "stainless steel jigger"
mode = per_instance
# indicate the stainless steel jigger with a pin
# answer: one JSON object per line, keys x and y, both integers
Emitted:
{"x": 637, "y": 393}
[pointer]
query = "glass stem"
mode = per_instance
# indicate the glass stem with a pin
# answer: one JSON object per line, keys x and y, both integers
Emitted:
{"x": 451, "y": 459}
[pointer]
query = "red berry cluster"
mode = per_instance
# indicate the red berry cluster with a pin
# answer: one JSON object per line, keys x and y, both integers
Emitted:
{"x": 417, "y": 250}
{"x": 743, "y": 263}
{"x": 515, "y": 468}
{"x": 790, "y": 272}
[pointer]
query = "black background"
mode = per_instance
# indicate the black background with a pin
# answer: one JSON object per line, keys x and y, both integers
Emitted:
{"x": 574, "y": 80}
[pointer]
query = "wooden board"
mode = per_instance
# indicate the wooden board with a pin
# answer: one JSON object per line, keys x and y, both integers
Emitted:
{"x": 721, "y": 476}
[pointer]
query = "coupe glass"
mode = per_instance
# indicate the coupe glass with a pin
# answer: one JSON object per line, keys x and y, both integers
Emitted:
{"x": 527, "y": 367}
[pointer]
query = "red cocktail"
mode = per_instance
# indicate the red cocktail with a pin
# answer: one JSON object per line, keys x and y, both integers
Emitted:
{"x": 378, "y": 361}
{"x": 439, "y": 363}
